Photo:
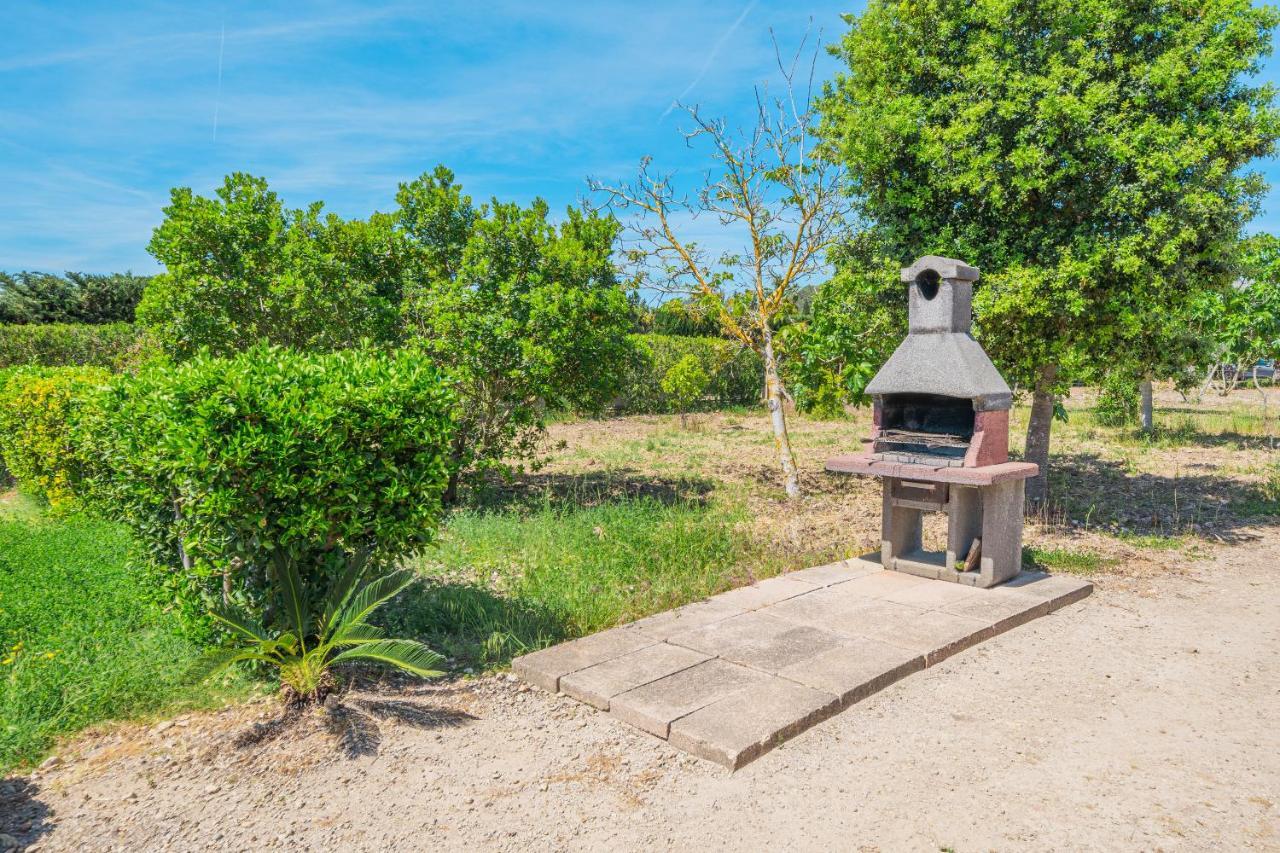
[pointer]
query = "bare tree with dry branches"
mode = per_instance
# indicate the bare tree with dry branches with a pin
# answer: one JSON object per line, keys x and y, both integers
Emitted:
{"x": 770, "y": 185}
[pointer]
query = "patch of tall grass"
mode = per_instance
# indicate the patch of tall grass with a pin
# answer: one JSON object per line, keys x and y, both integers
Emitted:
{"x": 78, "y": 642}
{"x": 507, "y": 581}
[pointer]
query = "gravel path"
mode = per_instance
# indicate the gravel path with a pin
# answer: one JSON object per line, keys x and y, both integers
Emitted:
{"x": 1146, "y": 717}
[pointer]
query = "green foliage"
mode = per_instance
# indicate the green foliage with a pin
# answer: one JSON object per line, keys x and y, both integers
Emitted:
{"x": 1242, "y": 321}
{"x": 1088, "y": 156}
{"x": 110, "y": 345}
{"x": 733, "y": 372}
{"x": 857, "y": 319}
{"x": 35, "y": 297}
{"x": 523, "y": 314}
{"x": 230, "y": 470}
{"x": 241, "y": 269}
{"x": 79, "y": 643}
{"x": 685, "y": 383}
{"x": 39, "y": 408}
{"x": 308, "y": 643}
{"x": 1118, "y": 399}
{"x": 685, "y": 317}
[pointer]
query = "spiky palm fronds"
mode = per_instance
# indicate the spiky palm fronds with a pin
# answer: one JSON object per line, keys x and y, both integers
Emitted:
{"x": 307, "y": 648}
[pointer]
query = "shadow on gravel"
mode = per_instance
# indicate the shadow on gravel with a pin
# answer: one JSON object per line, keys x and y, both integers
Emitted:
{"x": 354, "y": 724}
{"x": 1089, "y": 488}
{"x": 536, "y": 491}
{"x": 24, "y": 819}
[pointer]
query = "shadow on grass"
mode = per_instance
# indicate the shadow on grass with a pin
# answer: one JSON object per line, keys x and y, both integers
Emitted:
{"x": 471, "y": 625}
{"x": 1099, "y": 492}
{"x": 534, "y": 491}
{"x": 23, "y": 817}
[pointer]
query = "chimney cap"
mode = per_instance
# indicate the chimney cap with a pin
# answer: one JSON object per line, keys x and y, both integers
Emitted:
{"x": 946, "y": 268}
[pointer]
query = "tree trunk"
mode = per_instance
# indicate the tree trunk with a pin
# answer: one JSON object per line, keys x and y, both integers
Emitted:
{"x": 1148, "y": 413}
{"x": 1038, "y": 428}
{"x": 773, "y": 393}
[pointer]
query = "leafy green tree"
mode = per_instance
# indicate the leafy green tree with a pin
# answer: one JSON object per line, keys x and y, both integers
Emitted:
{"x": 525, "y": 315}
{"x": 1242, "y": 321}
{"x": 1088, "y": 155}
{"x": 241, "y": 269}
{"x": 857, "y": 318}
{"x": 685, "y": 383}
{"x": 30, "y": 298}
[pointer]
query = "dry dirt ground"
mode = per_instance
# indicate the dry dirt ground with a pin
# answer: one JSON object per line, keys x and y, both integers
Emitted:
{"x": 1145, "y": 718}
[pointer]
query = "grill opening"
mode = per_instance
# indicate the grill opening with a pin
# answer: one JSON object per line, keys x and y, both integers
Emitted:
{"x": 925, "y": 425}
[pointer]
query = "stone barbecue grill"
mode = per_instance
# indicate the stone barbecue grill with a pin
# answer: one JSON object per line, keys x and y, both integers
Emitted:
{"x": 940, "y": 439}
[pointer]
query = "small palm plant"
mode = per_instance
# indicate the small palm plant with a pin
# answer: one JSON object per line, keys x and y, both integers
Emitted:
{"x": 311, "y": 642}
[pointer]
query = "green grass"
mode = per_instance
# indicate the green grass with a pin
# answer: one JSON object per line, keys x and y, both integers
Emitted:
{"x": 78, "y": 643}
{"x": 506, "y": 581}
{"x": 1064, "y": 560}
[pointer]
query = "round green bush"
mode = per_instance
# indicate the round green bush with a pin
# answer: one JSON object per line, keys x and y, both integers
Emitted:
{"x": 230, "y": 469}
{"x": 39, "y": 407}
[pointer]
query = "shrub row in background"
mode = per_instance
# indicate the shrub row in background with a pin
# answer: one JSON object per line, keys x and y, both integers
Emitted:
{"x": 39, "y": 407}
{"x": 735, "y": 373}
{"x": 109, "y": 345}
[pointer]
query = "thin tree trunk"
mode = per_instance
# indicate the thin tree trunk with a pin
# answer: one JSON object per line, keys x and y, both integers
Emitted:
{"x": 773, "y": 391}
{"x": 1208, "y": 379}
{"x": 1038, "y": 429}
{"x": 1148, "y": 407}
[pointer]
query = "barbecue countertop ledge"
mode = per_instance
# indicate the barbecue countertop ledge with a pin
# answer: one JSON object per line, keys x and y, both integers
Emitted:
{"x": 985, "y": 475}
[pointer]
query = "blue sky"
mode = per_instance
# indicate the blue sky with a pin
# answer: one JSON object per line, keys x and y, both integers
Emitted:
{"x": 105, "y": 106}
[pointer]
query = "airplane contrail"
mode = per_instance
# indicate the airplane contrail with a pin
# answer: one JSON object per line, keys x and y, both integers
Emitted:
{"x": 217, "y": 99}
{"x": 710, "y": 58}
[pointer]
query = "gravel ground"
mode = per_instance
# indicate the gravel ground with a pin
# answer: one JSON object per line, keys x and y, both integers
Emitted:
{"x": 1146, "y": 717}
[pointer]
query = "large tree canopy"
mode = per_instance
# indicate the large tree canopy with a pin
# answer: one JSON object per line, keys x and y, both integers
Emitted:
{"x": 240, "y": 268}
{"x": 523, "y": 313}
{"x": 1088, "y": 155}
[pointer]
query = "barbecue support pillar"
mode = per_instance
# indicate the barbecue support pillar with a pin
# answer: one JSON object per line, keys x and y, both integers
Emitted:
{"x": 991, "y": 512}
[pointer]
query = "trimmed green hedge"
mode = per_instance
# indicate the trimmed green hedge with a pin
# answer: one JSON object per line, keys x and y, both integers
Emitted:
{"x": 109, "y": 345}
{"x": 39, "y": 407}
{"x": 226, "y": 469}
{"x": 736, "y": 373}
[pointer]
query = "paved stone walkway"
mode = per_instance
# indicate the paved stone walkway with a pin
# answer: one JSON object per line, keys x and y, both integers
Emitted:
{"x": 731, "y": 677}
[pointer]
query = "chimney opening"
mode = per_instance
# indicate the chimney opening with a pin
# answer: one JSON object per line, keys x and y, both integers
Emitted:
{"x": 927, "y": 283}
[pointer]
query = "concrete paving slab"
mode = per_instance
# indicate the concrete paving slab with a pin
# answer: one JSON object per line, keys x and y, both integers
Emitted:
{"x": 732, "y": 676}
{"x": 855, "y": 669}
{"x": 1004, "y": 609}
{"x": 758, "y": 640}
{"x": 656, "y": 705}
{"x": 932, "y": 596}
{"x": 882, "y": 583}
{"x": 597, "y": 685}
{"x": 764, "y": 593}
{"x": 545, "y": 668}
{"x": 1058, "y": 590}
{"x": 937, "y": 635}
{"x": 842, "y": 611}
{"x": 662, "y": 625}
{"x": 743, "y": 726}
{"x": 833, "y": 573}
